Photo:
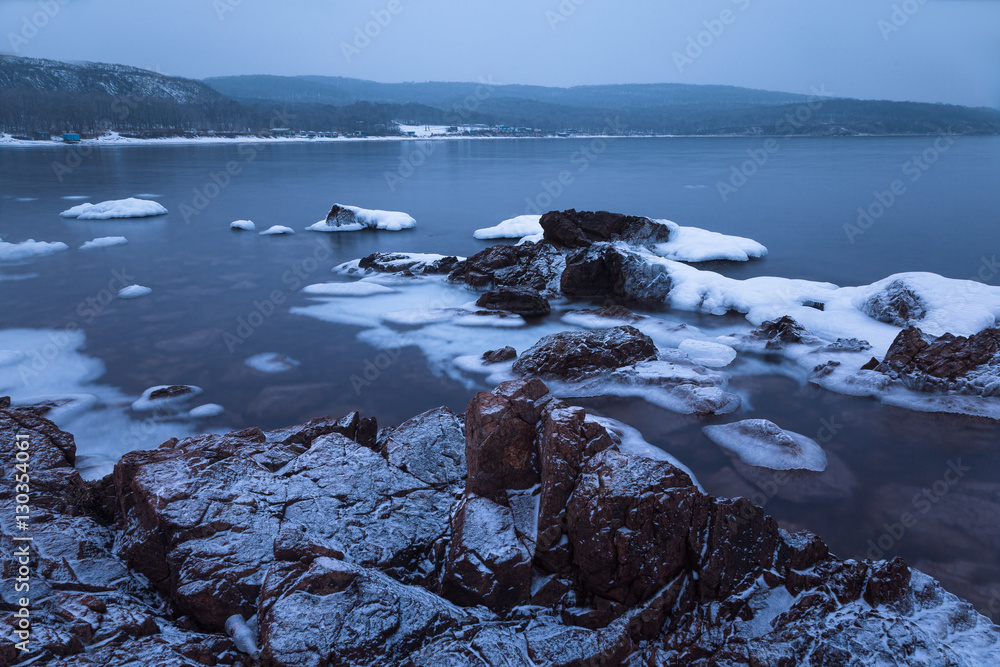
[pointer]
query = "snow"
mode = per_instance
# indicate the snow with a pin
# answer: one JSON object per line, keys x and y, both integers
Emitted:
{"x": 104, "y": 242}
{"x": 355, "y": 289}
{"x": 632, "y": 442}
{"x": 424, "y": 131}
{"x": 706, "y": 353}
{"x": 515, "y": 228}
{"x": 276, "y": 230}
{"x": 271, "y": 362}
{"x": 244, "y": 225}
{"x": 28, "y": 249}
{"x": 134, "y": 292}
{"x": 121, "y": 208}
{"x": 206, "y": 411}
{"x": 761, "y": 443}
{"x": 389, "y": 221}
{"x": 691, "y": 244}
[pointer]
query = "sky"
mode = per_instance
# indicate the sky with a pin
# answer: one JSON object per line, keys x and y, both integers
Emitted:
{"x": 916, "y": 50}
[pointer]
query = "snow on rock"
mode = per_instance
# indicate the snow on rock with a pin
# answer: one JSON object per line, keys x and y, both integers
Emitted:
{"x": 28, "y": 249}
{"x": 134, "y": 292}
{"x": 271, "y": 362}
{"x": 243, "y": 225}
{"x": 352, "y": 219}
{"x": 206, "y": 411}
{"x": 104, "y": 242}
{"x": 120, "y": 208}
{"x": 515, "y": 228}
{"x": 630, "y": 441}
{"x": 761, "y": 443}
{"x": 707, "y": 353}
{"x": 406, "y": 263}
{"x": 691, "y": 244}
{"x": 355, "y": 289}
{"x": 277, "y": 230}
{"x": 165, "y": 397}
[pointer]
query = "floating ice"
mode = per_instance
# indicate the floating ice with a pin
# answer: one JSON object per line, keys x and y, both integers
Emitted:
{"x": 104, "y": 242}
{"x": 271, "y": 362}
{"x": 515, "y": 228}
{"x": 706, "y": 353}
{"x": 244, "y": 225}
{"x": 276, "y": 230}
{"x": 121, "y": 208}
{"x": 761, "y": 443}
{"x": 165, "y": 397}
{"x": 206, "y": 411}
{"x": 690, "y": 244}
{"x": 134, "y": 292}
{"x": 28, "y": 249}
{"x": 359, "y": 288}
{"x": 357, "y": 219}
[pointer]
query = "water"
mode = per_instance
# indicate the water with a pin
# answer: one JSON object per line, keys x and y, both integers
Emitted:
{"x": 207, "y": 279}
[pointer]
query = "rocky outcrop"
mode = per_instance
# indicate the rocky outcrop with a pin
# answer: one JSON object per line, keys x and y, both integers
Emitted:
{"x": 521, "y": 300}
{"x": 405, "y": 263}
{"x": 579, "y": 229}
{"x": 524, "y": 536}
{"x": 897, "y": 304}
{"x": 968, "y": 365}
{"x": 572, "y": 355}
{"x": 534, "y": 265}
{"x": 605, "y": 270}
{"x": 499, "y": 356}
{"x": 780, "y": 332}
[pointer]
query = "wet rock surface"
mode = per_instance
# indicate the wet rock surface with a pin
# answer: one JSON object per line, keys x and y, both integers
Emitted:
{"x": 521, "y": 300}
{"x": 388, "y": 262}
{"x": 969, "y": 365}
{"x": 577, "y": 354}
{"x": 534, "y": 265}
{"x": 522, "y": 536}
{"x": 604, "y": 270}
{"x": 579, "y": 229}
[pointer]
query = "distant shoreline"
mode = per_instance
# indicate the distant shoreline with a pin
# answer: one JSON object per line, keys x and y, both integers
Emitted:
{"x": 8, "y": 141}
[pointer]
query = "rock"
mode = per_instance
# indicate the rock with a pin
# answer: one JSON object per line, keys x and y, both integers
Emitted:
{"x": 394, "y": 262}
{"x": 499, "y": 356}
{"x": 534, "y": 265}
{"x": 579, "y": 229}
{"x": 571, "y": 355}
{"x": 847, "y": 345}
{"x": 947, "y": 363}
{"x": 782, "y": 331}
{"x": 431, "y": 447}
{"x": 604, "y": 270}
{"x": 614, "y": 312}
{"x": 521, "y": 300}
{"x": 896, "y": 304}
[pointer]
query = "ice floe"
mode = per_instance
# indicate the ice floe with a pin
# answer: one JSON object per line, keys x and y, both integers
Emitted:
{"x": 206, "y": 411}
{"x": 29, "y": 249}
{"x": 691, "y": 244}
{"x": 243, "y": 225}
{"x": 763, "y": 444}
{"x": 120, "y": 208}
{"x": 165, "y": 397}
{"x": 271, "y": 362}
{"x": 515, "y": 228}
{"x": 360, "y": 288}
{"x": 134, "y": 292}
{"x": 104, "y": 242}
{"x": 707, "y": 353}
{"x": 352, "y": 219}
{"x": 277, "y": 230}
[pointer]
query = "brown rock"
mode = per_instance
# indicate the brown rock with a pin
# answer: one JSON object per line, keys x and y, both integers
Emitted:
{"x": 521, "y": 300}
{"x": 579, "y": 229}
{"x": 571, "y": 355}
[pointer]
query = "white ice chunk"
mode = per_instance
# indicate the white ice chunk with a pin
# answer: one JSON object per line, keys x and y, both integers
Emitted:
{"x": 243, "y": 225}
{"x": 134, "y": 292}
{"x": 104, "y": 242}
{"x": 206, "y": 411}
{"x": 691, "y": 244}
{"x": 28, "y": 249}
{"x": 359, "y": 288}
{"x": 271, "y": 362}
{"x": 276, "y": 230}
{"x": 761, "y": 443}
{"x": 120, "y": 208}
{"x": 515, "y": 228}
{"x": 707, "y": 353}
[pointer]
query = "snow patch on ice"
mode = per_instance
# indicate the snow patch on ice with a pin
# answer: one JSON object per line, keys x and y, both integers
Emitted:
{"x": 271, "y": 362}
{"x": 691, "y": 244}
{"x": 277, "y": 230}
{"x": 206, "y": 411}
{"x": 120, "y": 208}
{"x": 134, "y": 292}
{"x": 515, "y": 228}
{"x": 355, "y": 289}
{"x": 244, "y": 225}
{"x": 104, "y": 242}
{"x": 706, "y": 353}
{"x": 28, "y": 249}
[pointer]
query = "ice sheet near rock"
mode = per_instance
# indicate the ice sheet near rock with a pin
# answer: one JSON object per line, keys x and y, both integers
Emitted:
{"x": 277, "y": 230}
{"x": 243, "y": 225}
{"x": 761, "y": 443}
{"x": 706, "y": 353}
{"x": 515, "y": 228}
{"x": 28, "y": 249}
{"x": 206, "y": 411}
{"x": 120, "y": 208}
{"x": 356, "y": 289}
{"x": 691, "y": 244}
{"x": 271, "y": 362}
{"x": 363, "y": 218}
{"x": 134, "y": 292}
{"x": 104, "y": 242}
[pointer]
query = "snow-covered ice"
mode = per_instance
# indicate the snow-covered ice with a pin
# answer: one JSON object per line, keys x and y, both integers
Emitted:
{"x": 389, "y": 221}
{"x": 355, "y": 289}
{"x": 27, "y": 249}
{"x": 271, "y": 362}
{"x": 277, "y": 230}
{"x": 134, "y": 292}
{"x": 515, "y": 228}
{"x": 691, "y": 244}
{"x": 761, "y": 443}
{"x": 120, "y": 208}
{"x": 206, "y": 411}
{"x": 244, "y": 225}
{"x": 104, "y": 242}
{"x": 707, "y": 353}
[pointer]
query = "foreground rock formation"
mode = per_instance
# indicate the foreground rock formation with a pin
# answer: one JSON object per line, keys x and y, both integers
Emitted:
{"x": 517, "y": 534}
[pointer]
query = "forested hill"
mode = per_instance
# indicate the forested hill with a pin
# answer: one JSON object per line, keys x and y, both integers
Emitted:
{"x": 39, "y": 96}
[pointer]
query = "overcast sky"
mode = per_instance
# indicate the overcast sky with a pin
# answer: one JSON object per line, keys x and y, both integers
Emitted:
{"x": 937, "y": 51}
